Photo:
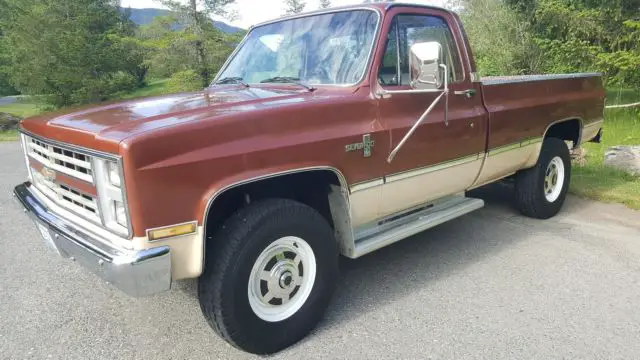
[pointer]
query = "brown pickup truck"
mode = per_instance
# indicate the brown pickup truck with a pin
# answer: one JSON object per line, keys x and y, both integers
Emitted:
{"x": 327, "y": 133}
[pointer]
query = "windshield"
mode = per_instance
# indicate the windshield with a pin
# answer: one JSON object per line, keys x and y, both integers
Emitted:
{"x": 330, "y": 49}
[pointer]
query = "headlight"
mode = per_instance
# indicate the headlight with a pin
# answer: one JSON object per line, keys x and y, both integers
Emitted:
{"x": 113, "y": 173}
{"x": 111, "y": 196}
{"x": 120, "y": 213}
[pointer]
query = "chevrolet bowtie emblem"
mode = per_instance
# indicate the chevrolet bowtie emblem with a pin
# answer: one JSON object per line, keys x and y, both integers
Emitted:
{"x": 366, "y": 145}
{"x": 48, "y": 174}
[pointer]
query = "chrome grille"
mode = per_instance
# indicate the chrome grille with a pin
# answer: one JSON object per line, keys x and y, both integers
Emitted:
{"x": 60, "y": 159}
{"x": 82, "y": 204}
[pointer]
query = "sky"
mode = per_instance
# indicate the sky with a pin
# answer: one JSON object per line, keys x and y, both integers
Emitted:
{"x": 256, "y": 11}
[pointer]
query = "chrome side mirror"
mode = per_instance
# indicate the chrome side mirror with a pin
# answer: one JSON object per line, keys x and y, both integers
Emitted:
{"x": 425, "y": 60}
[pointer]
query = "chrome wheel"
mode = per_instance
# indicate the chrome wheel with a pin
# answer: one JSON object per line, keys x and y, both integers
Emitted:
{"x": 281, "y": 279}
{"x": 554, "y": 179}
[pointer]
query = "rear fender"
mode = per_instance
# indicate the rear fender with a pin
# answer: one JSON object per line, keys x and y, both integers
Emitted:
{"x": 576, "y": 138}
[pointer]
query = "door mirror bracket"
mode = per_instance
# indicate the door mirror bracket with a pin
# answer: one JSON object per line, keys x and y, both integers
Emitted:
{"x": 428, "y": 75}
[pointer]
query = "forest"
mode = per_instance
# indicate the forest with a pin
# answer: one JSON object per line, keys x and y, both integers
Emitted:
{"x": 83, "y": 51}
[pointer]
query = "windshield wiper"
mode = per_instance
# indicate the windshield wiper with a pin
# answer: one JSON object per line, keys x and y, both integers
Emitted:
{"x": 288, "y": 80}
{"x": 232, "y": 80}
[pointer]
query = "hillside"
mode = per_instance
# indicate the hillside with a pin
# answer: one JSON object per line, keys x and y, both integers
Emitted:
{"x": 145, "y": 16}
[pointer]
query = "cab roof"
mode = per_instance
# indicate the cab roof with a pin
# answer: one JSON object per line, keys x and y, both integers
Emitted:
{"x": 381, "y": 7}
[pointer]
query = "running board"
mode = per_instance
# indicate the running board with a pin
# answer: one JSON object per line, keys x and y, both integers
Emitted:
{"x": 396, "y": 228}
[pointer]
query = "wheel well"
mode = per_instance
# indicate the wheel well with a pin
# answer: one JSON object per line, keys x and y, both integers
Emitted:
{"x": 308, "y": 187}
{"x": 568, "y": 130}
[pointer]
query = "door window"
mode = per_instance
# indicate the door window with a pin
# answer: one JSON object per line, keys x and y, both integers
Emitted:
{"x": 408, "y": 30}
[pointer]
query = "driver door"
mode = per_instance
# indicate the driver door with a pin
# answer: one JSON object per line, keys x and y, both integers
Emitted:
{"x": 442, "y": 157}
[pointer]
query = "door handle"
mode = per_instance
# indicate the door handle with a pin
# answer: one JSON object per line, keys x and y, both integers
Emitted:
{"x": 468, "y": 93}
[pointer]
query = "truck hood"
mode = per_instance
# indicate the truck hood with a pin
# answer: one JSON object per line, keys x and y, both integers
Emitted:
{"x": 104, "y": 127}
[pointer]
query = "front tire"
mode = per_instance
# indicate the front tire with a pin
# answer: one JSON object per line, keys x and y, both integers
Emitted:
{"x": 270, "y": 276}
{"x": 541, "y": 191}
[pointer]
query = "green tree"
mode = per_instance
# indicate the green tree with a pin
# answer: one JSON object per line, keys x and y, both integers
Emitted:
{"x": 555, "y": 36}
{"x": 134, "y": 61}
{"x": 68, "y": 51}
{"x": 5, "y": 86}
{"x": 500, "y": 39}
{"x": 196, "y": 16}
{"x": 586, "y": 35}
{"x": 324, "y": 4}
{"x": 294, "y": 6}
{"x": 170, "y": 47}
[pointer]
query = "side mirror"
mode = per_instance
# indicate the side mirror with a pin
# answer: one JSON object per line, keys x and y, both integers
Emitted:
{"x": 425, "y": 65}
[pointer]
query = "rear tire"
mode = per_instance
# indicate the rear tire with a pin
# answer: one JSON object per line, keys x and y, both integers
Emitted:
{"x": 541, "y": 191}
{"x": 270, "y": 277}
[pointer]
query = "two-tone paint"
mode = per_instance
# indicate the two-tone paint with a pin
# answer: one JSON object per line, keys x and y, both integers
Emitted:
{"x": 180, "y": 152}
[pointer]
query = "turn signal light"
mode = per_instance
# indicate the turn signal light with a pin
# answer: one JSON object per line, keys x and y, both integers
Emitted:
{"x": 171, "y": 231}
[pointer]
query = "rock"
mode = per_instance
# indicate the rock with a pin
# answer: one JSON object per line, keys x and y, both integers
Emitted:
{"x": 579, "y": 156}
{"x": 626, "y": 158}
{"x": 8, "y": 122}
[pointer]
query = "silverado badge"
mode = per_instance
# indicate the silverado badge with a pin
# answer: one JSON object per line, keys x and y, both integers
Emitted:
{"x": 366, "y": 145}
{"x": 48, "y": 174}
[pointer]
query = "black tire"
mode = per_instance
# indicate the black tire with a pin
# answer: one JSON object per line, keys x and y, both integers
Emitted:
{"x": 223, "y": 286}
{"x": 530, "y": 183}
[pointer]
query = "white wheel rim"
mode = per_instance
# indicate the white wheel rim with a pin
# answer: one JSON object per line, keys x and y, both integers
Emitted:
{"x": 281, "y": 279}
{"x": 554, "y": 179}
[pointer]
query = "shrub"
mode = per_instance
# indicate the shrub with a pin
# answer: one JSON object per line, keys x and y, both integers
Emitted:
{"x": 99, "y": 89}
{"x": 187, "y": 80}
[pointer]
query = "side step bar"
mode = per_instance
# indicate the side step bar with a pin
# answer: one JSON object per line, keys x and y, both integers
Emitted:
{"x": 384, "y": 233}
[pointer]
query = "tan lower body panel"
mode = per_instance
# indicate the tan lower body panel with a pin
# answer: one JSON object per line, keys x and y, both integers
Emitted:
{"x": 186, "y": 253}
{"x": 381, "y": 197}
{"x": 507, "y": 160}
{"x": 590, "y": 131}
{"x": 365, "y": 203}
{"x": 405, "y": 193}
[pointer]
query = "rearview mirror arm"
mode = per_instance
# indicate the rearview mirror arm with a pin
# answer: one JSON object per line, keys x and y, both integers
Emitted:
{"x": 444, "y": 93}
{"x": 415, "y": 126}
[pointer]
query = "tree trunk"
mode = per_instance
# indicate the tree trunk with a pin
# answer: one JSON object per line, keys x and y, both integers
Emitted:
{"x": 201, "y": 58}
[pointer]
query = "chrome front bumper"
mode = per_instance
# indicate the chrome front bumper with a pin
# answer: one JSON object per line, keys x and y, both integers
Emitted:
{"x": 137, "y": 273}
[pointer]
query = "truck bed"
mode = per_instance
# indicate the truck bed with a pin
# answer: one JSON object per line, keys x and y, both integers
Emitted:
{"x": 520, "y": 107}
{"x": 493, "y": 80}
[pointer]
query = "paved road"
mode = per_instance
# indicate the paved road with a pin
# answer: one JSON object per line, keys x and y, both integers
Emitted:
{"x": 8, "y": 100}
{"x": 491, "y": 285}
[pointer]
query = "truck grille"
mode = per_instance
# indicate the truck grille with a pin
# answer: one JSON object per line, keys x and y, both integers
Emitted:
{"x": 63, "y": 160}
{"x": 75, "y": 201}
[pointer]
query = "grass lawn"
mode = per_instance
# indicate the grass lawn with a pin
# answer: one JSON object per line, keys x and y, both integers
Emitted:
{"x": 154, "y": 88}
{"x": 622, "y": 96}
{"x": 598, "y": 182}
{"x": 10, "y": 135}
{"x": 22, "y": 108}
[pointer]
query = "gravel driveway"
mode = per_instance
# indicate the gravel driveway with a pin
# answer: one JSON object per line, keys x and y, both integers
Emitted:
{"x": 491, "y": 285}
